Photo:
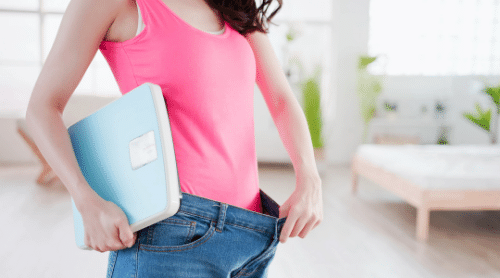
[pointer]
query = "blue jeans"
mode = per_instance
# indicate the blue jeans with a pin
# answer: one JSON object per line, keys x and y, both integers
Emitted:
{"x": 205, "y": 238}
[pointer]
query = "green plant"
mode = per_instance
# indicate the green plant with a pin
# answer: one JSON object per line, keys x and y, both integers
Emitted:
{"x": 481, "y": 118}
{"x": 487, "y": 119}
{"x": 312, "y": 107}
{"x": 291, "y": 34}
{"x": 442, "y": 140}
{"x": 390, "y": 107}
{"x": 368, "y": 89}
{"x": 310, "y": 87}
{"x": 494, "y": 93}
{"x": 443, "y": 136}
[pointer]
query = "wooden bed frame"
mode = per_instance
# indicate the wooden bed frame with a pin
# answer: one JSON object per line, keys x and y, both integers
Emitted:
{"x": 424, "y": 200}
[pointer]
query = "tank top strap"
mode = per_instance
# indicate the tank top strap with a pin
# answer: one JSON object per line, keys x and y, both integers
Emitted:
{"x": 159, "y": 18}
{"x": 144, "y": 8}
{"x": 156, "y": 14}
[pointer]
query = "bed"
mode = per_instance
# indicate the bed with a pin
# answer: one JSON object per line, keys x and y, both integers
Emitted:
{"x": 433, "y": 177}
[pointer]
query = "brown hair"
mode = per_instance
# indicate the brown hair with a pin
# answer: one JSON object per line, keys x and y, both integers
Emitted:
{"x": 243, "y": 15}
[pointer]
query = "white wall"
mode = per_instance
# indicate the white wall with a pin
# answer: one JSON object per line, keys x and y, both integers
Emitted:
{"x": 350, "y": 39}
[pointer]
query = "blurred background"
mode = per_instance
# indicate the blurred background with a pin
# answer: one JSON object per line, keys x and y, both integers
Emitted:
{"x": 384, "y": 73}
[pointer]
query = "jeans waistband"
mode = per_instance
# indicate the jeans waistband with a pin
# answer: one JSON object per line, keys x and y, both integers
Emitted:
{"x": 222, "y": 213}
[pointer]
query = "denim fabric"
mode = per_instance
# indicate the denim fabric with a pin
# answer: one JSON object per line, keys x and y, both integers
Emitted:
{"x": 205, "y": 238}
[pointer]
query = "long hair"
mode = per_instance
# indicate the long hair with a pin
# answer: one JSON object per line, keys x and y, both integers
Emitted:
{"x": 243, "y": 15}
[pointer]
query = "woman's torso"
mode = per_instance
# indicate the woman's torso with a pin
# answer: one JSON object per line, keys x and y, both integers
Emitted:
{"x": 208, "y": 83}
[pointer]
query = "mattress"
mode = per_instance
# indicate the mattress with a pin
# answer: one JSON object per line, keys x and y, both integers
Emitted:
{"x": 439, "y": 167}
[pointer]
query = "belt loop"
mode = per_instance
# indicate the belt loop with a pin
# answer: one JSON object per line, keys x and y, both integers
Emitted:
{"x": 278, "y": 227}
{"x": 222, "y": 217}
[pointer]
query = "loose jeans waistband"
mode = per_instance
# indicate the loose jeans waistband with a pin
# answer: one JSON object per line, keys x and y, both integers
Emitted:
{"x": 220, "y": 213}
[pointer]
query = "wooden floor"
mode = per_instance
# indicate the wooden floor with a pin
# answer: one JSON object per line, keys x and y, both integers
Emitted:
{"x": 371, "y": 234}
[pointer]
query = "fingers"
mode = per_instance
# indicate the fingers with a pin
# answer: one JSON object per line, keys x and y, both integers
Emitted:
{"x": 125, "y": 233}
{"x": 120, "y": 239}
{"x": 284, "y": 210}
{"x": 313, "y": 221}
{"x": 288, "y": 226}
{"x": 299, "y": 225}
{"x": 104, "y": 246}
{"x": 307, "y": 228}
{"x": 293, "y": 225}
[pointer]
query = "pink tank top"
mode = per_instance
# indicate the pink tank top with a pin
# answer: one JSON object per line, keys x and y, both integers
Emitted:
{"x": 208, "y": 86}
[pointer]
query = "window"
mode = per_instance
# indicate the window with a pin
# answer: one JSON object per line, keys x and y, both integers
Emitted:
{"x": 28, "y": 29}
{"x": 435, "y": 37}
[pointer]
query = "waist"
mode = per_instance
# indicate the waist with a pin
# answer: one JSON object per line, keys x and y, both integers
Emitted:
{"x": 266, "y": 222}
{"x": 233, "y": 182}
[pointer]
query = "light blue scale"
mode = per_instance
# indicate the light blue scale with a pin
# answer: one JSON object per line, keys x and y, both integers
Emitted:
{"x": 126, "y": 154}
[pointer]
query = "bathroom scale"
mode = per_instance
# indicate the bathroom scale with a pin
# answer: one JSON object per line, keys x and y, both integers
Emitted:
{"x": 126, "y": 154}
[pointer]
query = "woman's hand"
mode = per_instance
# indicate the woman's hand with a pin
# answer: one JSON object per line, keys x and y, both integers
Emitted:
{"x": 106, "y": 226}
{"x": 303, "y": 209}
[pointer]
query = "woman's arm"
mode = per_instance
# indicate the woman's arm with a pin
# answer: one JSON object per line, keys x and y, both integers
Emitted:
{"x": 304, "y": 208}
{"x": 82, "y": 28}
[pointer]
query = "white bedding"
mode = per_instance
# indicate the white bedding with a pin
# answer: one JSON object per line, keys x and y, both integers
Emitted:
{"x": 439, "y": 166}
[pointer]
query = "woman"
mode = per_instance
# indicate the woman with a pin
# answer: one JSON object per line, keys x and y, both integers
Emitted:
{"x": 206, "y": 56}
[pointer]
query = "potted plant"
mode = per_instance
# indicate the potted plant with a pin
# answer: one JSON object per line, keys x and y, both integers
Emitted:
{"x": 391, "y": 109}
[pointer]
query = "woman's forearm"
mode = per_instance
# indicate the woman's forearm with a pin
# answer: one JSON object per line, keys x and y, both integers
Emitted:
{"x": 52, "y": 139}
{"x": 294, "y": 132}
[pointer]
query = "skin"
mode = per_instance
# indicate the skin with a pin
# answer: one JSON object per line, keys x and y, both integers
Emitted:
{"x": 84, "y": 25}
{"x": 304, "y": 208}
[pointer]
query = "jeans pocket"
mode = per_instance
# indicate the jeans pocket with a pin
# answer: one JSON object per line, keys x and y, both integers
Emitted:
{"x": 178, "y": 233}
